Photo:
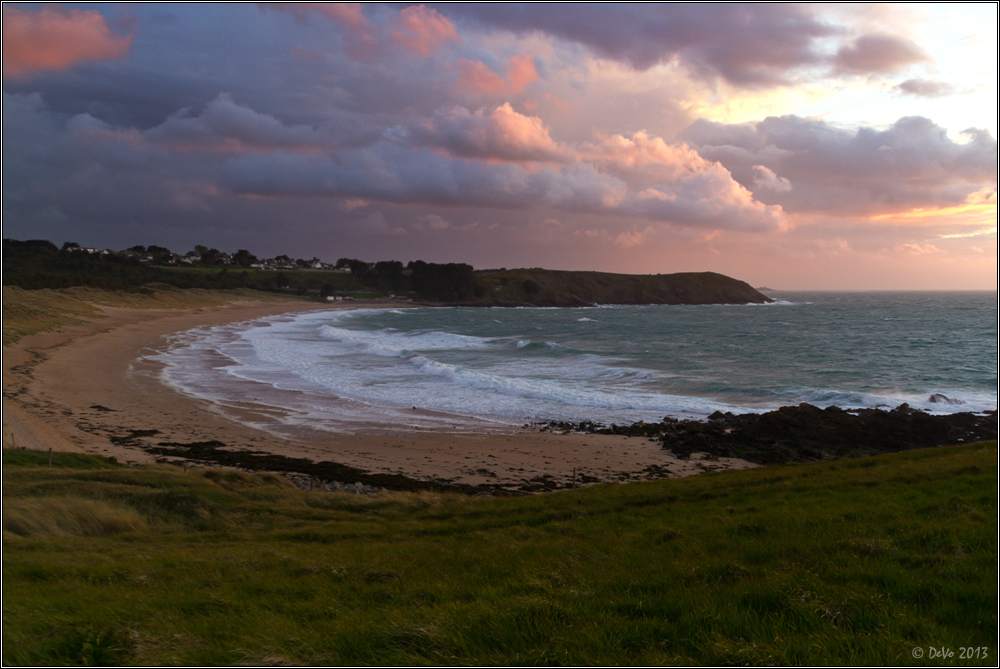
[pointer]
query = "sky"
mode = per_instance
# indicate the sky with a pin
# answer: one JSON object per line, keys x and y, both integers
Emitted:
{"x": 829, "y": 147}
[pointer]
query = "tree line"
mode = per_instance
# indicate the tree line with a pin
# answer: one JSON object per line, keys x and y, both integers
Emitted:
{"x": 449, "y": 282}
{"x": 37, "y": 263}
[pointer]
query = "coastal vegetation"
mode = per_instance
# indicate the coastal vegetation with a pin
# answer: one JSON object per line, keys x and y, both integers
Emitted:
{"x": 27, "y": 312}
{"x": 551, "y": 288}
{"x": 860, "y": 561}
{"x": 40, "y": 264}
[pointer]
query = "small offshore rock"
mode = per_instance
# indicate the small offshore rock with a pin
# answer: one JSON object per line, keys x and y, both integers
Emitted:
{"x": 938, "y": 398}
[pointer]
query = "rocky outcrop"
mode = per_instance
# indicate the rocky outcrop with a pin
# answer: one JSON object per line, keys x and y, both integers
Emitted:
{"x": 807, "y": 433}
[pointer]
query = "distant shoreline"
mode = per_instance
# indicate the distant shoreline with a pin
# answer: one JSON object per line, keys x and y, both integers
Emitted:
{"x": 85, "y": 388}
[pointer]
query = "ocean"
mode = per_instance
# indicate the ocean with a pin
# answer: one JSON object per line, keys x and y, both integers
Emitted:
{"x": 466, "y": 368}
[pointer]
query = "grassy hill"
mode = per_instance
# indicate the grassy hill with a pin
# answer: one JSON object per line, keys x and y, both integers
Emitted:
{"x": 39, "y": 264}
{"x": 28, "y": 312}
{"x": 856, "y": 561}
{"x": 553, "y": 288}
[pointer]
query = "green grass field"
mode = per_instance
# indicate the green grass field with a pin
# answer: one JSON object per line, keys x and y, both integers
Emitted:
{"x": 854, "y": 562}
{"x": 27, "y": 312}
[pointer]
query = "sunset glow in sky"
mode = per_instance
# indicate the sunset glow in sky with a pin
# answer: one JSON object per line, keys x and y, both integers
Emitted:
{"x": 793, "y": 146}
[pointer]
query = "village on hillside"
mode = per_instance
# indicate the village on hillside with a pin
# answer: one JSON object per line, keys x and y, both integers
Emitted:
{"x": 205, "y": 256}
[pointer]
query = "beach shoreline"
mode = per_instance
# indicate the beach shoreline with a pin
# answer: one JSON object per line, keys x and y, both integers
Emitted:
{"x": 83, "y": 388}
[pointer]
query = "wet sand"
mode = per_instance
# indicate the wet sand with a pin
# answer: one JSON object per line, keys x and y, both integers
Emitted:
{"x": 87, "y": 388}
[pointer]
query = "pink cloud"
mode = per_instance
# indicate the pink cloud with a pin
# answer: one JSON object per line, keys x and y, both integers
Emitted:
{"x": 918, "y": 249}
{"x": 475, "y": 77}
{"x": 55, "y": 39}
{"x": 521, "y": 72}
{"x": 644, "y": 156}
{"x": 502, "y": 134}
{"x": 423, "y": 30}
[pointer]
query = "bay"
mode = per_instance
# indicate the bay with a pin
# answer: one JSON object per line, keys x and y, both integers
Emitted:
{"x": 335, "y": 369}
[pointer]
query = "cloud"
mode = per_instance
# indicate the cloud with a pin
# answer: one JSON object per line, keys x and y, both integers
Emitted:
{"x": 855, "y": 172}
{"x": 225, "y": 126}
{"x": 392, "y": 173}
{"x": 376, "y": 224}
{"x": 878, "y": 53}
{"x": 747, "y": 44}
{"x": 629, "y": 239}
{"x": 477, "y": 78}
{"x": 422, "y": 30}
{"x": 360, "y": 35}
{"x": 709, "y": 198}
{"x": 416, "y": 28}
{"x": 501, "y": 133}
{"x": 434, "y": 222}
{"x": 643, "y": 157}
{"x": 918, "y": 249}
{"x": 768, "y": 180}
{"x": 925, "y": 88}
{"x": 56, "y": 39}
{"x": 521, "y": 72}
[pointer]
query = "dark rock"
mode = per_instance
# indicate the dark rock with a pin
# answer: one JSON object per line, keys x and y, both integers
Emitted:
{"x": 804, "y": 432}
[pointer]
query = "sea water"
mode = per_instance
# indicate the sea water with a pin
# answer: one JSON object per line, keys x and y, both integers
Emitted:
{"x": 424, "y": 367}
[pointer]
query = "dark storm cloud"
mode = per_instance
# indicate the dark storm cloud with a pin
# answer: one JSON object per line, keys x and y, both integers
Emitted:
{"x": 118, "y": 96}
{"x": 226, "y": 126}
{"x": 388, "y": 172}
{"x": 80, "y": 179}
{"x": 746, "y": 44}
{"x": 391, "y": 173}
{"x": 822, "y": 168}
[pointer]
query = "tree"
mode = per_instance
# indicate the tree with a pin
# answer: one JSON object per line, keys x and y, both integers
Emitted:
{"x": 452, "y": 282}
{"x": 159, "y": 253}
{"x": 244, "y": 258}
{"x": 388, "y": 275}
{"x": 210, "y": 256}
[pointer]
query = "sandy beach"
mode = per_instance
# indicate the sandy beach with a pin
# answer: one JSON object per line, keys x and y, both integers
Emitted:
{"x": 87, "y": 388}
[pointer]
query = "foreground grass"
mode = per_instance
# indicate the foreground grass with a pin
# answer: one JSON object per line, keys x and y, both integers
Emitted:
{"x": 850, "y": 562}
{"x": 27, "y": 312}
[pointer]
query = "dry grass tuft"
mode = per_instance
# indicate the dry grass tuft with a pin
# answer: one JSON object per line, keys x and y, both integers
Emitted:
{"x": 27, "y": 312}
{"x": 68, "y": 516}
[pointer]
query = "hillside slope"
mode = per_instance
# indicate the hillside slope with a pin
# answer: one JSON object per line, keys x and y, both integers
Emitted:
{"x": 853, "y": 562}
{"x": 554, "y": 288}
